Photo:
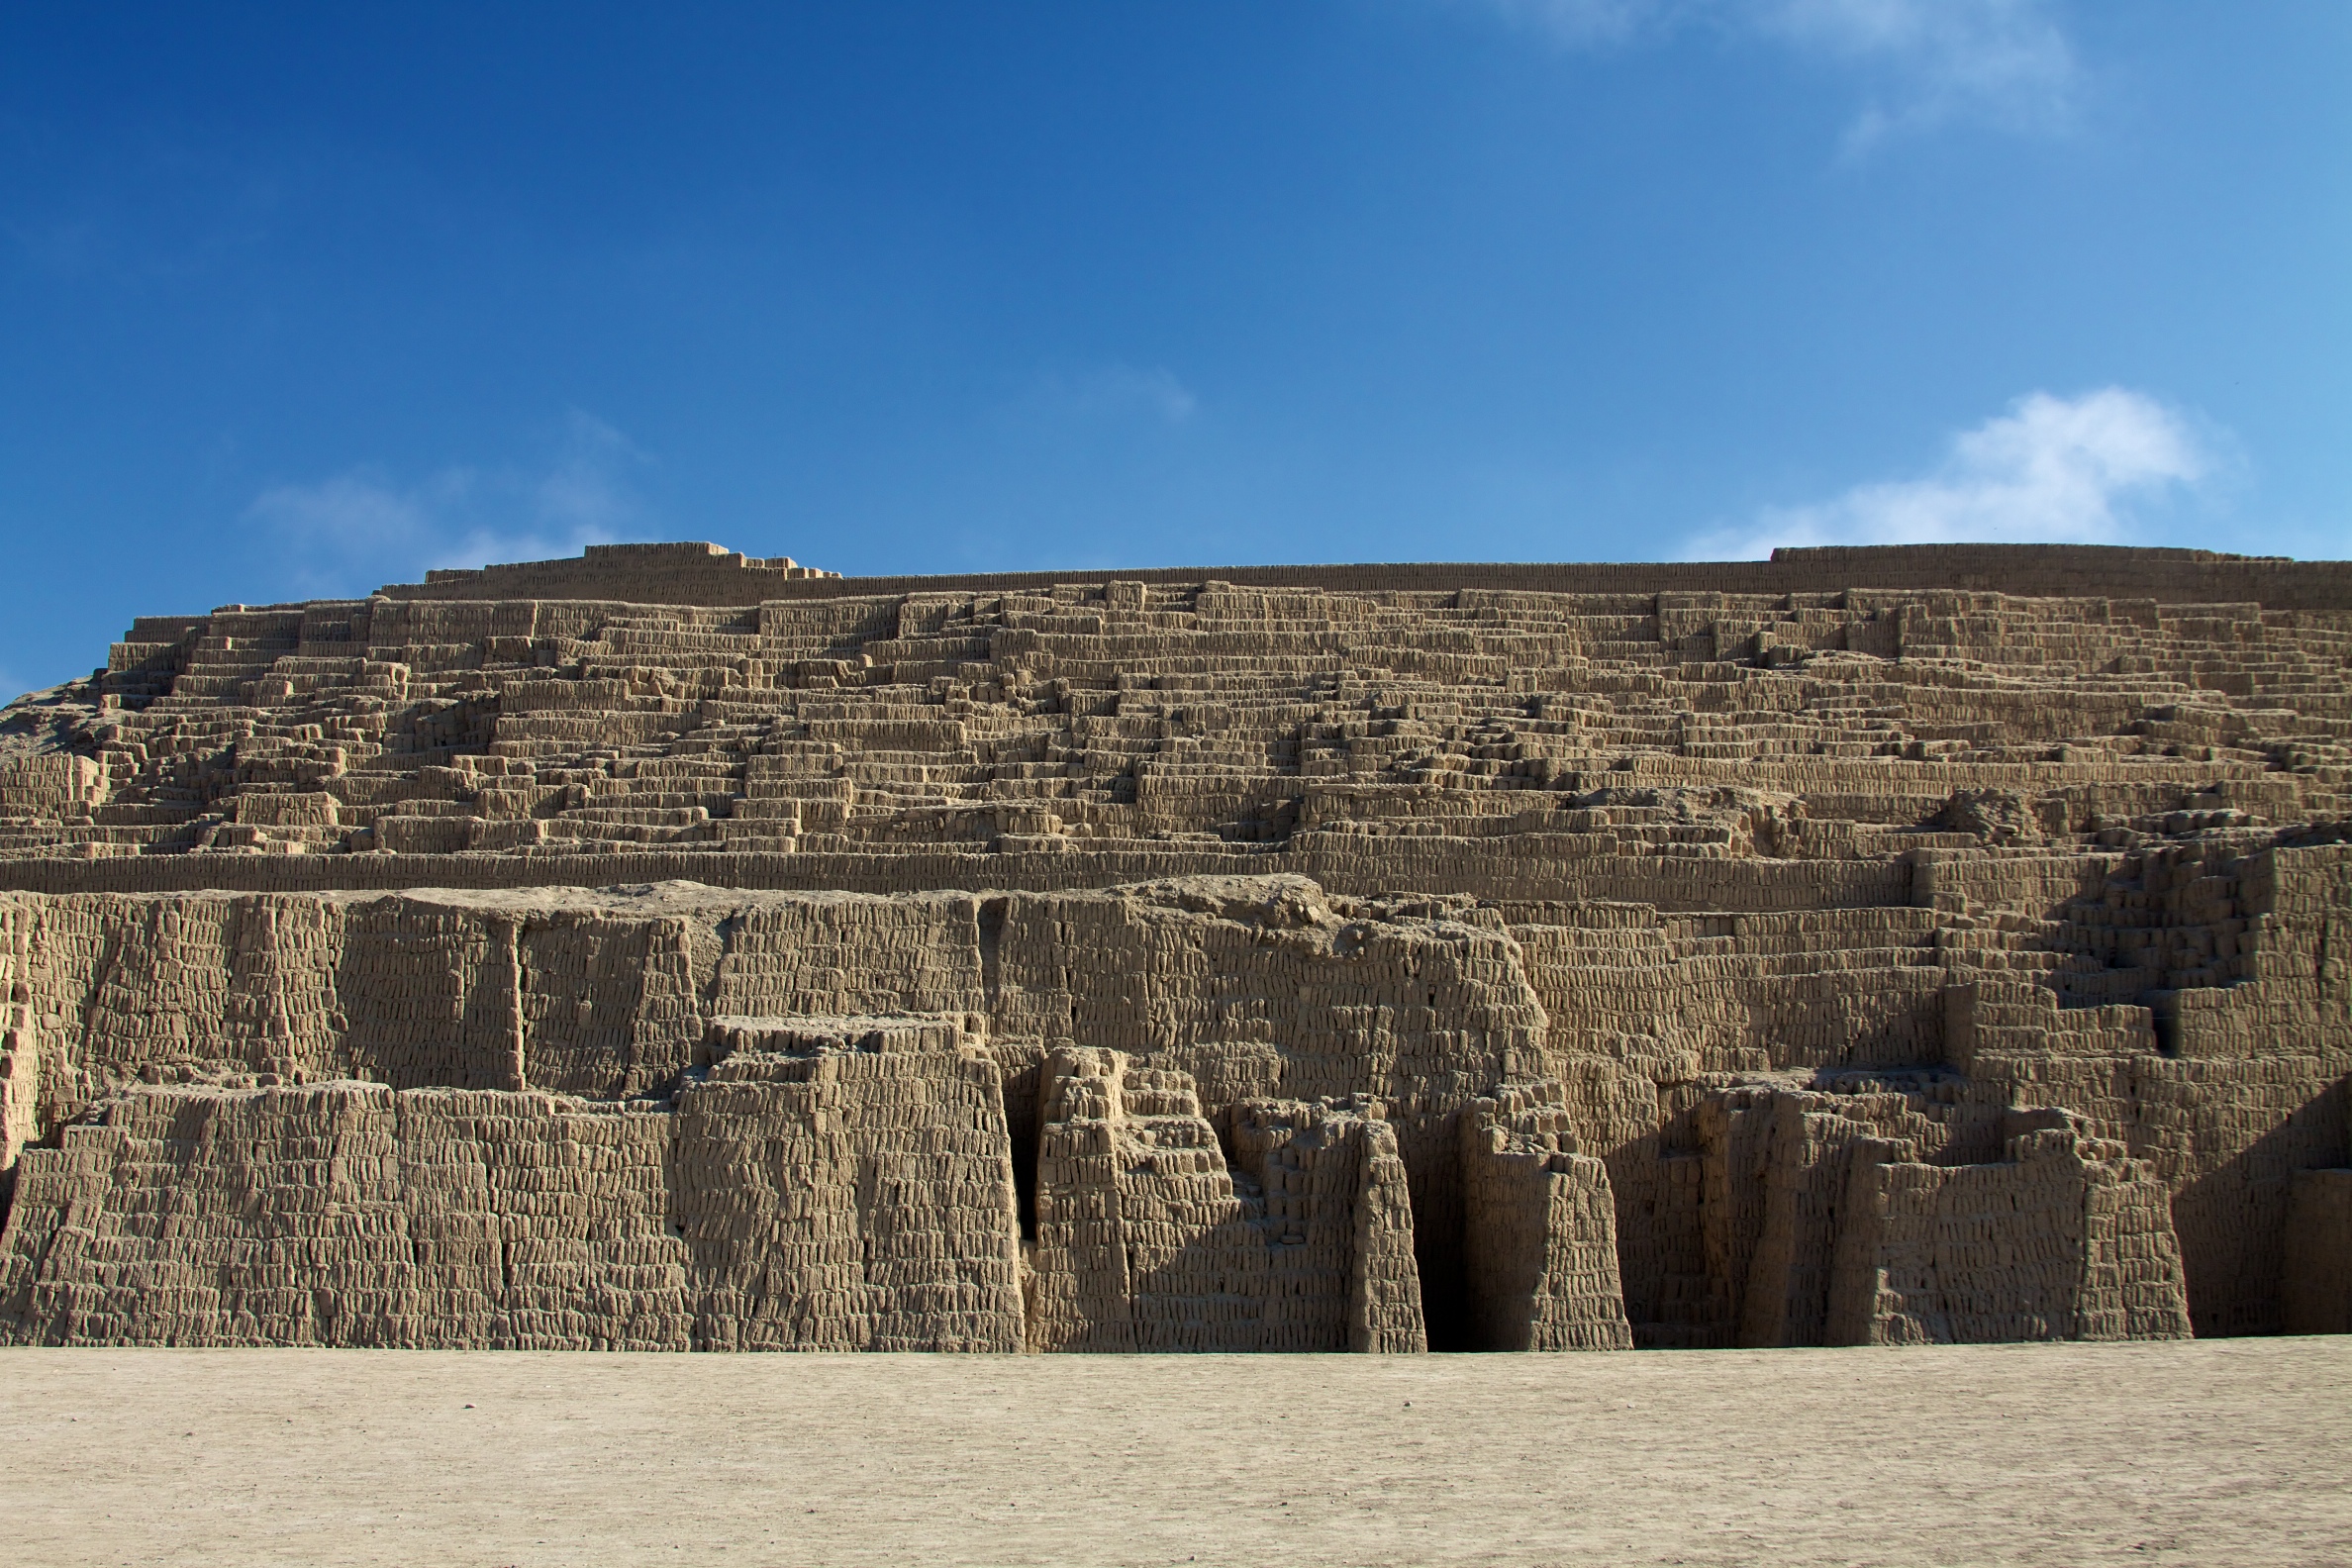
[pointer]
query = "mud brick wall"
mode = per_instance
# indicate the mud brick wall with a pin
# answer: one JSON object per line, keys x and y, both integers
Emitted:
{"x": 1257, "y": 891}
{"x": 349, "y": 1215}
{"x": 541, "y": 1222}
{"x": 1143, "y": 1242}
{"x": 2067, "y": 1238}
{"x": 1542, "y": 1228}
{"x": 852, "y": 955}
{"x": 709, "y": 574}
{"x": 2317, "y": 1287}
{"x": 1264, "y": 986}
{"x": 1267, "y": 989}
{"x": 1806, "y": 1156}
{"x": 850, "y": 1201}
{"x": 605, "y": 999}
{"x": 835, "y": 1202}
{"x": 20, "y": 1043}
{"x": 1337, "y": 1205}
{"x": 1385, "y": 1310}
{"x": 589, "y": 996}
{"x": 2134, "y": 1286}
{"x": 1147, "y": 1239}
{"x": 2228, "y": 1089}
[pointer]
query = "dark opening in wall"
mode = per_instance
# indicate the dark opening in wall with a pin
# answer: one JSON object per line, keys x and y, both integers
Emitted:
{"x": 991, "y": 938}
{"x": 1025, "y": 1177}
{"x": 1445, "y": 1310}
{"x": 1433, "y": 1176}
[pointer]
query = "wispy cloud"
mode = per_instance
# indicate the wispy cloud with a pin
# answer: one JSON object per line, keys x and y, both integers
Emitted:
{"x": 129, "y": 210}
{"x": 1117, "y": 393}
{"x": 1584, "y": 23}
{"x": 1921, "y": 64}
{"x": 2051, "y": 470}
{"x": 352, "y": 530}
{"x": 2002, "y": 62}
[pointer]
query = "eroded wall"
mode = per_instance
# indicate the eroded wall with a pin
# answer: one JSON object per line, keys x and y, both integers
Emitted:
{"x": 1576, "y": 1175}
{"x": 1359, "y": 957}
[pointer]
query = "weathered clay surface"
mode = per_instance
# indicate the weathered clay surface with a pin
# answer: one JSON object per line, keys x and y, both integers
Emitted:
{"x": 669, "y": 950}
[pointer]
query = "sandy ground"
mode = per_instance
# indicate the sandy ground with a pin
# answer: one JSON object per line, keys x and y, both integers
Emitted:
{"x": 2232, "y": 1452}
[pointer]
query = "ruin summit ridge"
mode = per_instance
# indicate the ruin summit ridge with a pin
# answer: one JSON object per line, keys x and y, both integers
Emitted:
{"x": 671, "y": 949}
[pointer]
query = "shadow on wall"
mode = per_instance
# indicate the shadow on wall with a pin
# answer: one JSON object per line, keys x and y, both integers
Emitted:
{"x": 2232, "y": 1221}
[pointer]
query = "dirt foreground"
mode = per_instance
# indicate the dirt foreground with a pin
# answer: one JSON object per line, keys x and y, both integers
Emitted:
{"x": 2236, "y": 1452}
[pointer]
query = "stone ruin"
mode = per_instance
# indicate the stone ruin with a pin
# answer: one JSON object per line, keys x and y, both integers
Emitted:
{"x": 669, "y": 950}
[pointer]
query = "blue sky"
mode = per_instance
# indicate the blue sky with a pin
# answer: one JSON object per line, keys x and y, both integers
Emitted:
{"x": 299, "y": 300}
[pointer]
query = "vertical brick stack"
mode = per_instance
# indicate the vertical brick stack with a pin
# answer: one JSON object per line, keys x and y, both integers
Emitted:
{"x": 850, "y": 1200}
{"x": 837, "y": 1201}
{"x": 349, "y": 1215}
{"x": 1542, "y": 1228}
{"x": 1143, "y": 1242}
{"x": 1147, "y": 1240}
{"x": 2065, "y": 1239}
{"x": 2318, "y": 1273}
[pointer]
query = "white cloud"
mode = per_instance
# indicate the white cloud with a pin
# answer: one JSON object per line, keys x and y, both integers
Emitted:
{"x": 355, "y": 530}
{"x": 1922, "y": 62}
{"x": 2051, "y": 470}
